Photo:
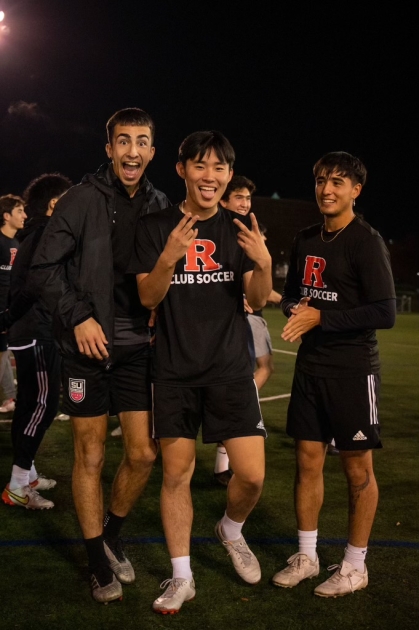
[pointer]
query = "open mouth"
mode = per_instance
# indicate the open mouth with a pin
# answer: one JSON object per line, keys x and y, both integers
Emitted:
{"x": 207, "y": 192}
{"x": 132, "y": 170}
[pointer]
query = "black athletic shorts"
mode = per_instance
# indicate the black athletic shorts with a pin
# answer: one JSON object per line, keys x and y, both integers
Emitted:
{"x": 120, "y": 383}
{"x": 225, "y": 411}
{"x": 341, "y": 408}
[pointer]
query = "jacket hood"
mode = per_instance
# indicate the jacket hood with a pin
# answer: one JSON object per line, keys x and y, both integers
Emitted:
{"x": 31, "y": 225}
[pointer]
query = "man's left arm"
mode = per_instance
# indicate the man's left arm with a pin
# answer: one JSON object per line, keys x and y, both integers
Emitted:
{"x": 257, "y": 284}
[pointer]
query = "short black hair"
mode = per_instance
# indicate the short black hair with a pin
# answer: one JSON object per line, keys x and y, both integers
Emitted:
{"x": 237, "y": 182}
{"x": 343, "y": 164}
{"x": 7, "y": 204}
{"x": 199, "y": 143}
{"x": 42, "y": 189}
{"x": 130, "y": 116}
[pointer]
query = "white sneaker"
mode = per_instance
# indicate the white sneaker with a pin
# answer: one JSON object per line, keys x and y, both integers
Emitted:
{"x": 116, "y": 432}
{"x": 299, "y": 568}
{"x": 178, "y": 590}
{"x": 26, "y": 497}
{"x": 42, "y": 483}
{"x": 62, "y": 416}
{"x": 7, "y": 406}
{"x": 346, "y": 579}
{"x": 244, "y": 560}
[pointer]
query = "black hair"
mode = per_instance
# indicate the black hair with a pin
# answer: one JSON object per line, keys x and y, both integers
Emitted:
{"x": 344, "y": 164}
{"x": 199, "y": 143}
{"x": 7, "y": 204}
{"x": 130, "y": 116}
{"x": 237, "y": 182}
{"x": 42, "y": 189}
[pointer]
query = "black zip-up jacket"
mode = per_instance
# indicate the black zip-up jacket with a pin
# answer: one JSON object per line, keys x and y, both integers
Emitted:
{"x": 28, "y": 318}
{"x": 73, "y": 264}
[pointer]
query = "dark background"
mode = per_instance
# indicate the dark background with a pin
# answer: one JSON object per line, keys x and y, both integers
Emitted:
{"x": 285, "y": 83}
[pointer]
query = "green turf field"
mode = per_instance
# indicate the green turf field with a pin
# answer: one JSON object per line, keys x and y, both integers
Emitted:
{"x": 43, "y": 573}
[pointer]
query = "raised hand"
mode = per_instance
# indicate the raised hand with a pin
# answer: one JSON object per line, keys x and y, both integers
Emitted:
{"x": 252, "y": 241}
{"x": 180, "y": 239}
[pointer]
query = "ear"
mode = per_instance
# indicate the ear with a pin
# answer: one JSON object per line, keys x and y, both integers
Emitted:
{"x": 231, "y": 175}
{"x": 356, "y": 191}
{"x": 180, "y": 169}
{"x": 51, "y": 206}
{"x": 108, "y": 149}
{"x": 152, "y": 152}
{"x": 223, "y": 203}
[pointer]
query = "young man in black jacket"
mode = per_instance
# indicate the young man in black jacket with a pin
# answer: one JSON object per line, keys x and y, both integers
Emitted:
{"x": 37, "y": 359}
{"x": 103, "y": 332}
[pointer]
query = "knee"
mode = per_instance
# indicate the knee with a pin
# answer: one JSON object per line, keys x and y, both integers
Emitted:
{"x": 143, "y": 456}
{"x": 251, "y": 483}
{"x": 90, "y": 456}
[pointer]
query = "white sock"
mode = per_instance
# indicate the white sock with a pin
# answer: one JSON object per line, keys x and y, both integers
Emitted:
{"x": 231, "y": 529}
{"x": 221, "y": 460}
{"x": 356, "y": 556}
{"x": 19, "y": 478}
{"x": 307, "y": 543}
{"x": 182, "y": 567}
{"x": 33, "y": 475}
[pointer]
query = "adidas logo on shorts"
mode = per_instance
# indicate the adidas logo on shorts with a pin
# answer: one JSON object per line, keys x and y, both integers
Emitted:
{"x": 359, "y": 436}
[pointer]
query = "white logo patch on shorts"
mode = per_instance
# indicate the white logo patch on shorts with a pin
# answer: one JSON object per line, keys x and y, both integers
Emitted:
{"x": 359, "y": 436}
{"x": 260, "y": 424}
{"x": 77, "y": 389}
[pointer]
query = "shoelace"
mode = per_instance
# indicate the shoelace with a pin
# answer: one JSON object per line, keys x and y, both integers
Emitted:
{"x": 244, "y": 552}
{"x": 337, "y": 577}
{"x": 172, "y": 585}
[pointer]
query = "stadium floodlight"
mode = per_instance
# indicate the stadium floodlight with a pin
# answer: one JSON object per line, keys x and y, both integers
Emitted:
{"x": 2, "y": 16}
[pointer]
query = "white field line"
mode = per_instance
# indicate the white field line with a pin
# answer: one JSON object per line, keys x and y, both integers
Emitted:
{"x": 269, "y": 398}
{"x": 284, "y": 351}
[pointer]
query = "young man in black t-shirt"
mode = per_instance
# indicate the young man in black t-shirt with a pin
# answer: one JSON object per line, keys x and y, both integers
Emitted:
{"x": 12, "y": 219}
{"x": 339, "y": 290}
{"x": 194, "y": 262}
{"x": 81, "y": 267}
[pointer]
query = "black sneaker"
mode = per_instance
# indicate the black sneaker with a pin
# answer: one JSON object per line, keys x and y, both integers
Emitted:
{"x": 223, "y": 477}
{"x": 118, "y": 561}
{"x": 105, "y": 587}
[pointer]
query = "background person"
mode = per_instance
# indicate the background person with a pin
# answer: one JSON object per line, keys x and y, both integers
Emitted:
{"x": 36, "y": 356}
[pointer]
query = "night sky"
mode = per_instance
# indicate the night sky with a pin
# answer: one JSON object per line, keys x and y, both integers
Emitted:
{"x": 285, "y": 84}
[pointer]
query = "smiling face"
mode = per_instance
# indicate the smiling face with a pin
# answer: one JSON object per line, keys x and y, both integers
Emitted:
{"x": 206, "y": 179}
{"x": 131, "y": 149}
{"x": 16, "y": 219}
{"x": 335, "y": 195}
{"x": 239, "y": 201}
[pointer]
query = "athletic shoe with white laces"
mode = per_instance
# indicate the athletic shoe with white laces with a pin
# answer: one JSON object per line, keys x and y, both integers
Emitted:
{"x": 26, "y": 497}
{"x": 178, "y": 590}
{"x": 244, "y": 560}
{"x": 105, "y": 587}
{"x": 346, "y": 579}
{"x": 42, "y": 483}
{"x": 7, "y": 405}
{"x": 118, "y": 561}
{"x": 299, "y": 568}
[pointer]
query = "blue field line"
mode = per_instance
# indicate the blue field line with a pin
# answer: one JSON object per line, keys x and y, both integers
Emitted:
{"x": 144, "y": 540}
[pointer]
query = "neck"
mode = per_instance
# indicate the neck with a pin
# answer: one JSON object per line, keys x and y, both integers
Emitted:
{"x": 7, "y": 231}
{"x": 194, "y": 209}
{"x": 332, "y": 224}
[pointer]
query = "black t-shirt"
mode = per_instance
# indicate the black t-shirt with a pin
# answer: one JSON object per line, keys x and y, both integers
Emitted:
{"x": 201, "y": 334}
{"x": 349, "y": 271}
{"x": 8, "y": 250}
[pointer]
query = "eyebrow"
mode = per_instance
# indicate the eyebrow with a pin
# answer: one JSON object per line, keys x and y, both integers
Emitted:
{"x": 127, "y": 135}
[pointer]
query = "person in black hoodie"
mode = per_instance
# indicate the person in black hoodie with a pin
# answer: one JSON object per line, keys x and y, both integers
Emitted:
{"x": 37, "y": 359}
{"x": 81, "y": 269}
